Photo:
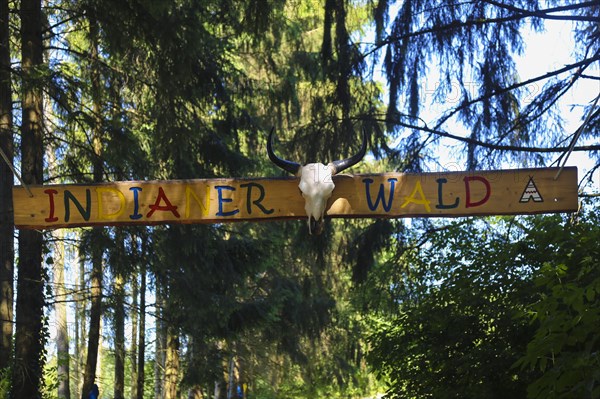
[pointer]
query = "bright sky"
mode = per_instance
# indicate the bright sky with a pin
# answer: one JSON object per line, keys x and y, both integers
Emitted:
{"x": 551, "y": 50}
{"x": 545, "y": 51}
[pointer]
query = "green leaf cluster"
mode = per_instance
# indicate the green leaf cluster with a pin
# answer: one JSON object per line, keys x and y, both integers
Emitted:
{"x": 566, "y": 311}
{"x": 493, "y": 309}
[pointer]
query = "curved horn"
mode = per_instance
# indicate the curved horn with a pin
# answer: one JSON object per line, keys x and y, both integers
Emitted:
{"x": 342, "y": 164}
{"x": 288, "y": 166}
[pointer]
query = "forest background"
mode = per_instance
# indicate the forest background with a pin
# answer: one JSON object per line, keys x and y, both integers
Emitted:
{"x": 94, "y": 91}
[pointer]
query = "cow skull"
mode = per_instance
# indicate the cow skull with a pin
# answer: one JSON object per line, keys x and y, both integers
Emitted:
{"x": 316, "y": 183}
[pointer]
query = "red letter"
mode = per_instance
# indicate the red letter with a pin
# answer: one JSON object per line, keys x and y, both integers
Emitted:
{"x": 51, "y": 217}
{"x": 158, "y": 207}
{"x": 488, "y": 191}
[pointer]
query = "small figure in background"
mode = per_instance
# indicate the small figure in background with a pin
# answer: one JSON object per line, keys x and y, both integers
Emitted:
{"x": 94, "y": 393}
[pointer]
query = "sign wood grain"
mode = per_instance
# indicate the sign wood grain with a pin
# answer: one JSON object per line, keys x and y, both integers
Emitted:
{"x": 388, "y": 195}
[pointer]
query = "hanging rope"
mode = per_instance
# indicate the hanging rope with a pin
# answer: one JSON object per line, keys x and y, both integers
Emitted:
{"x": 576, "y": 136}
{"x": 15, "y": 172}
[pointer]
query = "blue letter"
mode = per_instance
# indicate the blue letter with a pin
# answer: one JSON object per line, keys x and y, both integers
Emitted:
{"x": 221, "y": 200}
{"x": 136, "y": 205}
{"x": 440, "y": 204}
{"x": 380, "y": 195}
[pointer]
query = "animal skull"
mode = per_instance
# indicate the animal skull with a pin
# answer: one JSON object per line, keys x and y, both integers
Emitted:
{"x": 316, "y": 186}
{"x": 316, "y": 183}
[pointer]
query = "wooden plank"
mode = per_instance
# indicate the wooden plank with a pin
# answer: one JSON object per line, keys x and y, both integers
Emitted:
{"x": 388, "y": 195}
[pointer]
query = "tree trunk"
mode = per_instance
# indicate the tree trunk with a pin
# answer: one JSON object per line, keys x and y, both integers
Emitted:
{"x": 119, "y": 317}
{"x": 161, "y": 336}
{"x": 6, "y": 184}
{"x": 96, "y": 241}
{"x": 134, "y": 315}
{"x": 142, "y": 336}
{"x": 195, "y": 391}
{"x": 119, "y": 292}
{"x": 95, "y": 315}
{"x": 76, "y": 355}
{"x": 231, "y": 378}
{"x": 100, "y": 357}
{"x": 60, "y": 296}
{"x": 28, "y": 362}
{"x": 80, "y": 327}
{"x": 172, "y": 364}
{"x": 60, "y": 308}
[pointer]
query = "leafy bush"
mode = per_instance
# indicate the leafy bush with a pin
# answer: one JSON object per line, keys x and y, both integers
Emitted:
{"x": 566, "y": 345}
{"x": 508, "y": 307}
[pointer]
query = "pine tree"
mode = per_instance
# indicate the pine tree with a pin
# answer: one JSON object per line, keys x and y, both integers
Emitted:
{"x": 473, "y": 46}
{"x": 134, "y": 316}
{"x": 97, "y": 233}
{"x": 63, "y": 357}
{"x": 142, "y": 337}
{"x": 29, "y": 340}
{"x": 6, "y": 184}
{"x": 119, "y": 337}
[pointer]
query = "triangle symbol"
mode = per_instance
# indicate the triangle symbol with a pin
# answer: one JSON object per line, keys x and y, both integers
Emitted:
{"x": 531, "y": 192}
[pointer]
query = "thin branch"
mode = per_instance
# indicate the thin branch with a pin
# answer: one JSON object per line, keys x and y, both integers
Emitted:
{"x": 544, "y": 13}
{"x": 479, "y": 143}
{"x": 590, "y": 77}
{"x": 589, "y": 176}
{"x": 581, "y": 64}
{"x": 50, "y": 29}
{"x": 451, "y": 26}
{"x": 530, "y": 118}
{"x": 521, "y": 14}
{"x": 85, "y": 55}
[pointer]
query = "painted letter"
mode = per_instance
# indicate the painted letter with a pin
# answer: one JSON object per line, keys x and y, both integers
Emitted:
{"x": 440, "y": 204}
{"x": 380, "y": 195}
{"x": 189, "y": 193}
{"x": 256, "y": 202}
{"x": 136, "y": 203}
{"x": 486, "y": 197}
{"x": 167, "y": 207}
{"x": 51, "y": 217}
{"x": 101, "y": 215}
{"x": 419, "y": 201}
{"x": 84, "y": 212}
{"x": 222, "y": 200}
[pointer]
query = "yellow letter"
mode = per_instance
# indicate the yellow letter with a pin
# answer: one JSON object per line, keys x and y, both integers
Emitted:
{"x": 422, "y": 201}
{"x": 190, "y": 193}
{"x": 101, "y": 212}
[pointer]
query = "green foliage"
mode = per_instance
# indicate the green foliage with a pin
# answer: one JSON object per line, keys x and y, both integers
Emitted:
{"x": 186, "y": 89}
{"x": 506, "y": 307}
{"x": 106, "y": 375}
{"x": 4, "y": 383}
{"x": 566, "y": 310}
{"x": 50, "y": 382}
{"x": 455, "y": 333}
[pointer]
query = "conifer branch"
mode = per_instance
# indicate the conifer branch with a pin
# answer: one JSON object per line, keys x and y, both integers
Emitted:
{"x": 483, "y": 144}
{"x": 581, "y": 64}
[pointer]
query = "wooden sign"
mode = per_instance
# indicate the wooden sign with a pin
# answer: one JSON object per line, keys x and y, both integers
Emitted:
{"x": 388, "y": 195}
